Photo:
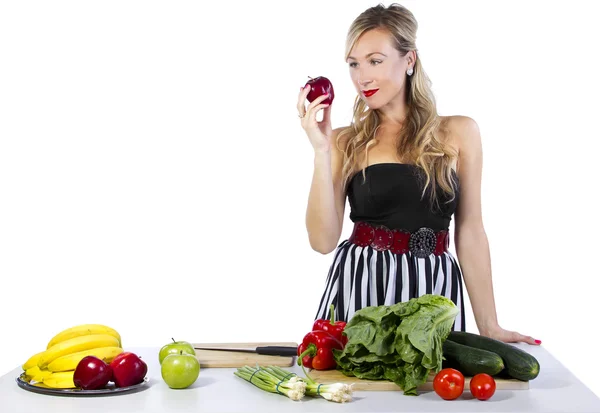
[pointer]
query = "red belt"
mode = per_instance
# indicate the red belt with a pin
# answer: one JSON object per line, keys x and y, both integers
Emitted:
{"x": 421, "y": 243}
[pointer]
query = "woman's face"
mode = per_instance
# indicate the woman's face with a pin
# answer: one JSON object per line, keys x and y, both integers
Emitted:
{"x": 377, "y": 69}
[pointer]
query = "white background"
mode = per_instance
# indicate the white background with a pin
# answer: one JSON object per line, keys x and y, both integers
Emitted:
{"x": 154, "y": 174}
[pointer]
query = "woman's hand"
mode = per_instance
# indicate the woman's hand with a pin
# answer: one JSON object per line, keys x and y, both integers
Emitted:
{"x": 507, "y": 336}
{"x": 319, "y": 133}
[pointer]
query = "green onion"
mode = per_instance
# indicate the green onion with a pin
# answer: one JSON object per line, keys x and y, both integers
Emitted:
{"x": 335, "y": 392}
{"x": 264, "y": 379}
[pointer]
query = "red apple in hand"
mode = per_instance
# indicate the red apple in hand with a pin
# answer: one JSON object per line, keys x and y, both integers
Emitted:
{"x": 128, "y": 369}
{"x": 320, "y": 86}
{"x": 92, "y": 373}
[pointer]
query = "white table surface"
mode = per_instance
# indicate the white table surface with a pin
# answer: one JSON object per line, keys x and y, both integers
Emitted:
{"x": 217, "y": 390}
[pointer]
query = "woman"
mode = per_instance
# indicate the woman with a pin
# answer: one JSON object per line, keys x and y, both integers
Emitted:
{"x": 406, "y": 171}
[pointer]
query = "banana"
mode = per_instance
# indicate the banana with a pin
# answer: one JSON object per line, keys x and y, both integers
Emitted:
{"x": 70, "y": 361}
{"x": 40, "y": 376}
{"x": 82, "y": 330}
{"x": 74, "y": 345}
{"x": 60, "y": 380}
{"x": 32, "y": 361}
{"x": 35, "y": 374}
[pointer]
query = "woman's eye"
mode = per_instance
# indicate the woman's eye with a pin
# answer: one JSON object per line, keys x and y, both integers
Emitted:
{"x": 373, "y": 62}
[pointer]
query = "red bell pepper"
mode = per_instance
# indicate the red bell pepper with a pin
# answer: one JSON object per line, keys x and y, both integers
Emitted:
{"x": 335, "y": 328}
{"x": 315, "y": 351}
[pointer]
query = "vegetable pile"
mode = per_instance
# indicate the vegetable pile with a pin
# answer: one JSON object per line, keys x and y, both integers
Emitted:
{"x": 401, "y": 342}
{"x": 404, "y": 343}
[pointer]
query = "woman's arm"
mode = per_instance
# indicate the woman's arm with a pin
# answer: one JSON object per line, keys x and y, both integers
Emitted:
{"x": 471, "y": 241}
{"x": 326, "y": 200}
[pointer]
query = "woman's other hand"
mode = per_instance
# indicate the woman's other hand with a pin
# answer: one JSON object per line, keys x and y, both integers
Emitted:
{"x": 508, "y": 336}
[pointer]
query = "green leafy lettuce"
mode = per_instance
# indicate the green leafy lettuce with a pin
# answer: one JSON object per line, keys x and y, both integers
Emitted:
{"x": 400, "y": 342}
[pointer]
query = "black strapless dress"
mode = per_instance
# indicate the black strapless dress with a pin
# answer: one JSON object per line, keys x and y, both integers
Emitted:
{"x": 362, "y": 276}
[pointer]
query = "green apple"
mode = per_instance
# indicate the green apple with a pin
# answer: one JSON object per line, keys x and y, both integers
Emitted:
{"x": 174, "y": 348}
{"x": 180, "y": 370}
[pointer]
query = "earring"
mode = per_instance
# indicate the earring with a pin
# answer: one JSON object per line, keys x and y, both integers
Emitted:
{"x": 409, "y": 71}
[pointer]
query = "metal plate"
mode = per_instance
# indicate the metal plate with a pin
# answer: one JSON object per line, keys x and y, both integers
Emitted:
{"x": 110, "y": 389}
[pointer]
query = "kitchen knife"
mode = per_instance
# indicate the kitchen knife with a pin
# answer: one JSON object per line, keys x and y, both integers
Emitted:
{"x": 285, "y": 351}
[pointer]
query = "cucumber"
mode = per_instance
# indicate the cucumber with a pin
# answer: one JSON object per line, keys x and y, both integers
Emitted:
{"x": 471, "y": 360}
{"x": 518, "y": 363}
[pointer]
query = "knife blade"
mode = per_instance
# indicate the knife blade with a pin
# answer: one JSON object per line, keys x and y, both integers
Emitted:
{"x": 284, "y": 351}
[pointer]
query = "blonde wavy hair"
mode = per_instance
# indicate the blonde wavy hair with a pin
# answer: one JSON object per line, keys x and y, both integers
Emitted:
{"x": 419, "y": 143}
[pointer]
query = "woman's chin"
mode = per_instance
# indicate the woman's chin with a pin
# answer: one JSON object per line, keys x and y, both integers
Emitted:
{"x": 373, "y": 105}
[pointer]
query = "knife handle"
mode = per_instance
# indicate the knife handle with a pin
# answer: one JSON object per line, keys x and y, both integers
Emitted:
{"x": 278, "y": 351}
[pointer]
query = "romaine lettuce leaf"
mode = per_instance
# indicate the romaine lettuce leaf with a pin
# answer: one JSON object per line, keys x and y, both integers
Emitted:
{"x": 402, "y": 342}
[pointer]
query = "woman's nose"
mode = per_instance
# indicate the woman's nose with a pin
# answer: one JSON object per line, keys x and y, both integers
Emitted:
{"x": 364, "y": 82}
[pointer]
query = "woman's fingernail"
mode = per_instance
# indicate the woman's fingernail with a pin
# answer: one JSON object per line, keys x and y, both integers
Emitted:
{"x": 538, "y": 341}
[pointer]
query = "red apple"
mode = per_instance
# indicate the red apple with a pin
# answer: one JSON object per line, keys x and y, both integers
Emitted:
{"x": 128, "y": 369}
{"x": 92, "y": 373}
{"x": 116, "y": 360}
{"x": 120, "y": 356}
{"x": 320, "y": 86}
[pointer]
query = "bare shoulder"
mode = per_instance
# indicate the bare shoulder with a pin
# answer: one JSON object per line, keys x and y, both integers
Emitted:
{"x": 463, "y": 131}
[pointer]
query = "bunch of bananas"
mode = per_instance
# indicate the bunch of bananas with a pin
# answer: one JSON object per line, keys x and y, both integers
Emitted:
{"x": 54, "y": 367}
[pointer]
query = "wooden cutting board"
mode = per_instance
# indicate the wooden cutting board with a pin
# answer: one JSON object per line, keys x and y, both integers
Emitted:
{"x": 215, "y": 358}
{"x": 335, "y": 376}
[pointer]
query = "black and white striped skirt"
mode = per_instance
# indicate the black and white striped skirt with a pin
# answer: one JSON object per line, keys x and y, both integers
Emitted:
{"x": 362, "y": 276}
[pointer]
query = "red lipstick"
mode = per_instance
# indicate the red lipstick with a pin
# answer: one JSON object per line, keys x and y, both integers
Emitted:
{"x": 371, "y": 92}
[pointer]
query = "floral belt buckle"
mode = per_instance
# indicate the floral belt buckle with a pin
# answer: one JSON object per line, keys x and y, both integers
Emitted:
{"x": 422, "y": 242}
{"x": 382, "y": 238}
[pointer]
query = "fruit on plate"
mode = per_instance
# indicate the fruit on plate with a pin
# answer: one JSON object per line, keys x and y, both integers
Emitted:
{"x": 73, "y": 345}
{"x": 92, "y": 373}
{"x": 128, "y": 369}
{"x": 449, "y": 384}
{"x": 519, "y": 364}
{"x": 180, "y": 370}
{"x": 64, "y": 352}
{"x": 175, "y": 348}
{"x": 482, "y": 386}
{"x": 82, "y": 330}
{"x": 320, "y": 86}
{"x": 60, "y": 380}
{"x": 70, "y": 361}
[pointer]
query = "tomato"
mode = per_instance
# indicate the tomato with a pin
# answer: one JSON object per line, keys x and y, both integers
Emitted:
{"x": 449, "y": 384}
{"x": 483, "y": 386}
